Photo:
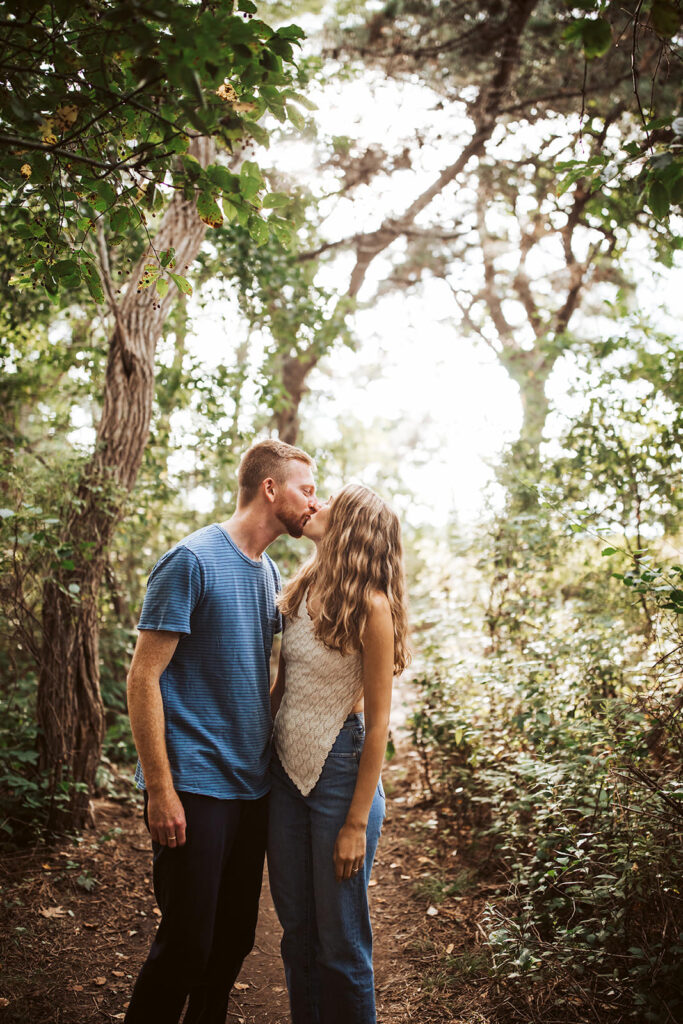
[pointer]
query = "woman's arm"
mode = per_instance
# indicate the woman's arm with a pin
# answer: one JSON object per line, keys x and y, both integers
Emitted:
{"x": 378, "y": 672}
{"x": 278, "y": 687}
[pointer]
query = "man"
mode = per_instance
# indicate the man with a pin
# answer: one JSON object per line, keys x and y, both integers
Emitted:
{"x": 198, "y": 697}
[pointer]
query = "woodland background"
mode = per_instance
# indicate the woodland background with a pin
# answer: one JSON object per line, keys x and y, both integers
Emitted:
{"x": 166, "y": 164}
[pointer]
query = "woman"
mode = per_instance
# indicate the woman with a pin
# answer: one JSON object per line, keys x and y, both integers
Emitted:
{"x": 345, "y": 637}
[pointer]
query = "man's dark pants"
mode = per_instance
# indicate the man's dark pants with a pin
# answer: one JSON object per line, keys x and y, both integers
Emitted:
{"x": 208, "y": 892}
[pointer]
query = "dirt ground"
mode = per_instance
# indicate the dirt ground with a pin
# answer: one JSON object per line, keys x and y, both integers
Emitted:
{"x": 77, "y": 921}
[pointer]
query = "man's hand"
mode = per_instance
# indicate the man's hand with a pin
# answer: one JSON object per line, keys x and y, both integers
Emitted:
{"x": 166, "y": 817}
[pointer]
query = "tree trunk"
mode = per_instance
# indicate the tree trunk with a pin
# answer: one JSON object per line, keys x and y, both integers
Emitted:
{"x": 70, "y": 709}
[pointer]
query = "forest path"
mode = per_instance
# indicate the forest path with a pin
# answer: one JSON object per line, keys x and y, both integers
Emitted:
{"x": 77, "y": 919}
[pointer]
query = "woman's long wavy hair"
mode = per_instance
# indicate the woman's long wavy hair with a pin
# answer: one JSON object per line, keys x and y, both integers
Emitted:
{"x": 360, "y": 553}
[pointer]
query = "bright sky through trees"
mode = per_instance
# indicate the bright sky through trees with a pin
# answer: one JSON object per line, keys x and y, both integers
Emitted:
{"x": 443, "y": 390}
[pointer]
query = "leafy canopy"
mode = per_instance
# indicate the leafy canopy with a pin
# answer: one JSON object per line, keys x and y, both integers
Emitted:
{"x": 98, "y": 106}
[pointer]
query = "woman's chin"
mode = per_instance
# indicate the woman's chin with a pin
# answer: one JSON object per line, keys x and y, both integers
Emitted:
{"x": 309, "y": 531}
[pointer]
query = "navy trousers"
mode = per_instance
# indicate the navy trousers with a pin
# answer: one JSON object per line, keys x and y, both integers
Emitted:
{"x": 208, "y": 893}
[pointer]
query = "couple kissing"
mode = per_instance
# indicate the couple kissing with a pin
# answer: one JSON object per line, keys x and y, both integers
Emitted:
{"x": 231, "y": 767}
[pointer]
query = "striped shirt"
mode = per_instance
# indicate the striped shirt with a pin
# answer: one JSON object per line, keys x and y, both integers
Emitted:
{"x": 215, "y": 689}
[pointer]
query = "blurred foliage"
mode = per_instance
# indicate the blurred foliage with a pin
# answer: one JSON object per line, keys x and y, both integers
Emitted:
{"x": 585, "y": 58}
{"x": 555, "y": 740}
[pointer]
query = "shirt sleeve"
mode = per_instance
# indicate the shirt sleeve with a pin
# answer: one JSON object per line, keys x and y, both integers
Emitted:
{"x": 174, "y": 589}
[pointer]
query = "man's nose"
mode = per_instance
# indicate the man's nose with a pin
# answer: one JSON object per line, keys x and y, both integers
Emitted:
{"x": 314, "y": 504}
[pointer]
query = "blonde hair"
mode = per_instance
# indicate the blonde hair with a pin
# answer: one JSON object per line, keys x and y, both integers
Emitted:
{"x": 265, "y": 459}
{"x": 360, "y": 554}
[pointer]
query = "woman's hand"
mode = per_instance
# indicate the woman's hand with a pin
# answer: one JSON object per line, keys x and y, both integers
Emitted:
{"x": 349, "y": 851}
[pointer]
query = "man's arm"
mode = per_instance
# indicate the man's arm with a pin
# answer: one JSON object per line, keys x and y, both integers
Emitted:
{"x": 153, "y": 651}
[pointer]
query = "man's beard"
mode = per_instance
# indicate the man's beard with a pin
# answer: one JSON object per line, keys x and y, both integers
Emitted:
{"x": 293, "y": 523}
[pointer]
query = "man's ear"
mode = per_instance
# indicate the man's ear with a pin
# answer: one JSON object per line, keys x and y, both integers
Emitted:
{"x": 269, "y": 486}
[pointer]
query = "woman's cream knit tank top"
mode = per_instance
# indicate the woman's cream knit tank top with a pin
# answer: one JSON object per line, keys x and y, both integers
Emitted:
{"x": 321, "y": 688}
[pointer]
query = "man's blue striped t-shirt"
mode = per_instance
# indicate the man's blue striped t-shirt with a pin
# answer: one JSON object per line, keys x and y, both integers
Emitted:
{"x": 215, "y": 689}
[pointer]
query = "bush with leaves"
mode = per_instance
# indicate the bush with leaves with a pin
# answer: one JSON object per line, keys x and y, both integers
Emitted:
{"x": 558, "y": 747}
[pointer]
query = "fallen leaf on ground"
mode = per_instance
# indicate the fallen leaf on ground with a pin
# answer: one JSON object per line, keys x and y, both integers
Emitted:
{"x": 449, "y": 948}
{"x": 76, "y": 988}
{"x": 52, "y": 912}
{"x": 119, "y": 974}
{"x": 4, "y": 1002}
{"x": 100, "y": 981}
{"x": 373, "y": 881}
{"x": 87, "y": 924}
{"x": 239, "y": 985}
{"x": 432, "y": 911}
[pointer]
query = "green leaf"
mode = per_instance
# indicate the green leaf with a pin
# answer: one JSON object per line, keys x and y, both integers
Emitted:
{"x": 182, "y": 284}
{"x": 162, "y": 286}
{"x": 282, "y": 231}
{"x": 609, "y": 551}
{"x": 222, "y": 177}
{"x": 251, "y": 181}
{"x": 190, "y": 81}
{"x": 296, "y": 117}
{"x": 119, "y": 219}
{"x": 258, "y": 229}
{"x": 275, "y": 199}
{"x": 229, "y": 210}
{"x": 258, "y": 133}
{"x": 299, "y": 97}
{"x": 209, "y": 210}
{"x": 596, "y": 35}
{"x": 67, "y": 268}
{"x": 291, "y": 32}
{"x": 658, "y": 199}
{"x": 247, "y": 6}
{"x": 94, "y": 284}
{"x": 251, "y": 170}
{"x": 281, "y": 47}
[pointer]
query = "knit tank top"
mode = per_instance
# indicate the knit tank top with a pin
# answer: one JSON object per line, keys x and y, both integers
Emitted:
{"x": 321, "y": 688}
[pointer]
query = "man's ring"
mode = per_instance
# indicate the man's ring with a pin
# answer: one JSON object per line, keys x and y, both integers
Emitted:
{"x": 171, "y": 837}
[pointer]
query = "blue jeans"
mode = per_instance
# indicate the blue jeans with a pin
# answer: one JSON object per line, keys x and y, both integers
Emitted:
{"x": 327, "y": 938}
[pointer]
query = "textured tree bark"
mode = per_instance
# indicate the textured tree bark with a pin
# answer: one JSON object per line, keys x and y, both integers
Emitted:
{"x": 70, "y": 710}
{"x": 294, "y": 371}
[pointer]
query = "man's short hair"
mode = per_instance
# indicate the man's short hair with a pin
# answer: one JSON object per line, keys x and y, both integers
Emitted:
{"x": 269, "y": 458}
